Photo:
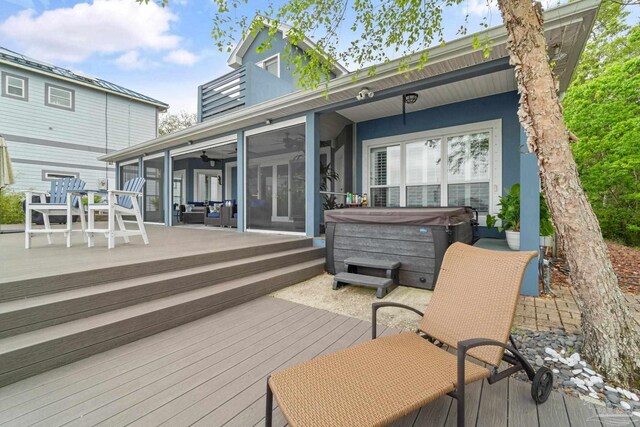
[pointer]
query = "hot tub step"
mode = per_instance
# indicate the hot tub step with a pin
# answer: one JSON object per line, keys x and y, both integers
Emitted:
{"x": 383, "y": 285}
{"x": 384, "y": 264}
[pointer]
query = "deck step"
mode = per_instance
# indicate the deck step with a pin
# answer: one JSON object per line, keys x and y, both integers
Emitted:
{"x": 34, "y": 352}
{"x": 382, "y": 284}
{"x": 39, "y": 282}
{"x": 25, "y": 315}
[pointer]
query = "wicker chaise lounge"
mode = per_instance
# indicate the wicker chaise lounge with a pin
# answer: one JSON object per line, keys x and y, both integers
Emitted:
{"x": 380, "y": 381}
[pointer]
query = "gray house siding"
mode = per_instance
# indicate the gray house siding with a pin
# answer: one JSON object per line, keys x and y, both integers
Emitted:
{"x": 44, "y": 138}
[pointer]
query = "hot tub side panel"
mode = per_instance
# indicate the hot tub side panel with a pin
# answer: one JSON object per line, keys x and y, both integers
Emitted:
{"x": 412, "y": 245}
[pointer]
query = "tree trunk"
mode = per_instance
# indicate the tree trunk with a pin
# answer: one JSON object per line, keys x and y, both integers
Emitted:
{"x": 611, "y": 335}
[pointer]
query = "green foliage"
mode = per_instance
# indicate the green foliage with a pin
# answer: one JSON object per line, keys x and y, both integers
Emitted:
{"x": 602, "y": 107}
{"x": 11, "y": 207}
{"x": 170, "y": 123}
{"x": 510, "y": 213}
{"x": 96, "y": 199}
{"x": 510, "y": 209}
{"x": 388, "y": 29}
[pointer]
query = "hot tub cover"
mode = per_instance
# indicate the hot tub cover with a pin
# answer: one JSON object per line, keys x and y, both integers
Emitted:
{"x": 415, "y": 216}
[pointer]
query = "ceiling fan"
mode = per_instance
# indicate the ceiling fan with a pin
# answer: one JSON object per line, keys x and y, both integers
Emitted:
{"x": 295, "y": 143}
{"x": 206, "y": 158}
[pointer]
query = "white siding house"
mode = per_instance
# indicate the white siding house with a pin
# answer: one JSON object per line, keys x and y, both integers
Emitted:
{"x": 56, "y": 122}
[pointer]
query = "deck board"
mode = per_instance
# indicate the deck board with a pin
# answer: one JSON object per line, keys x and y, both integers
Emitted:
{"x": 213, "y": 372}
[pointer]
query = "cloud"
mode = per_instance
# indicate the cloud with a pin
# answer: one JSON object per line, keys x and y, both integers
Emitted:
{"x": 101, "y": 27}
{"x": 132, "y": 61}
{"x": 181, "y": 57}
{"x": 482, "y": 7}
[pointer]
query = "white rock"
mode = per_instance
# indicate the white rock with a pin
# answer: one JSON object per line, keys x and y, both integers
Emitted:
{"x": 555, "y": 359}
{"x": 551, "y": 352}
{"x": 625, "y": 405}
{"x": 585, "y": 375}
{"x": 595, "y": 380}
{"x": 619, "y": 390}
{"x": 555, "y": 371}
{"x": 548, "y": 359}
{"x": 563, "y": 360}
{"x": 582, "y": 387}
{"x": 634, "y": 397}
{"x": 583, "y": 363}
{"x": 576, "y": 371}
{"x": 591, "y": 389}
{"x": 562, "y": 351}
{"x": 589, "y": 371}
{"x": 578, "y": 381}
{"x": 576, "y": 357}
{"x": 636, "y": 414}
{"x": 588, "y": 383}
{"x": 594, "y": 395}
{"x": 610, "y": 388}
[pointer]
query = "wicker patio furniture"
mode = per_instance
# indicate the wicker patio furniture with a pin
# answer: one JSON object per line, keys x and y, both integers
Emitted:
{"x": 382, "y": 380}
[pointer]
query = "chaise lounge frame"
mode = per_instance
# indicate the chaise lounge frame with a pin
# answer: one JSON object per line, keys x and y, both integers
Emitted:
{"x": 495, "y": 350}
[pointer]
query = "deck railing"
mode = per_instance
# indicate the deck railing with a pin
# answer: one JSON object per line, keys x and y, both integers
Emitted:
{"x": 222, "y": 95}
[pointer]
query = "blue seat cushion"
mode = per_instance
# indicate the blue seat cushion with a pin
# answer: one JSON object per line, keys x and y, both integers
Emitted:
{"x": 213, "y": 215}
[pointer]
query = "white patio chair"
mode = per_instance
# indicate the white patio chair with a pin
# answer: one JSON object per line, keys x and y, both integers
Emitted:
{"x": 61, "y": 202}
{"x": 118, "y": 203}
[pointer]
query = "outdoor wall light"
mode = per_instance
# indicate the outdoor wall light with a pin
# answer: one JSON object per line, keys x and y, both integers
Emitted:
{"x": 410, "y": 98}
{"x": 407, "y": 98}
{"x": 364, "y": 93}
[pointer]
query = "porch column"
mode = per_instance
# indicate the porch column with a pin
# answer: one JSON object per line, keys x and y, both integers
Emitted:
{"x": 312, "y": 175}
{"x": 166, "y": 193}
{"x": 118, "y": 183}
{"x": 529, "y": 213}
{"x": 240, "y": 181}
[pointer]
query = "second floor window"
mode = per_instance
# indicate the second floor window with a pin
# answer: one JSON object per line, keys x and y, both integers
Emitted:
{"x": 272, "y": 65}
{"x": 60, "y": 97}
{"x": 14, "y": 86}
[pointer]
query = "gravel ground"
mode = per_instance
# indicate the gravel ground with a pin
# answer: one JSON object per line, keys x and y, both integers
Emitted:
{"x": 560, "y": 352}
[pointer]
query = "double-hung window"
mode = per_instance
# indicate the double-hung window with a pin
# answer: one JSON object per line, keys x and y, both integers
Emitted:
{"x": 14, "y": 86}
{"x": 59, "y": 97}
{"x": 458, "y": 166}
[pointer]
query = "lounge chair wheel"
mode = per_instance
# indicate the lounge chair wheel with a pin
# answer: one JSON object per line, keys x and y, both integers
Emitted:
{"x": 542, "y": 385}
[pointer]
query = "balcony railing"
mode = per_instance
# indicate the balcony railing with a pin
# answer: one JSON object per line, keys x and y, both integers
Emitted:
{"x": 222, "y": 95}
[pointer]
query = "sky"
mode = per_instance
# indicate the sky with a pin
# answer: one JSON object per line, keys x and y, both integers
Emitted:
{"x": 161, "y": 52}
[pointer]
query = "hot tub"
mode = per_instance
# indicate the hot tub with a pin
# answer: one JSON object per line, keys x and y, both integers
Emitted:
{"x": 417, "y": 237}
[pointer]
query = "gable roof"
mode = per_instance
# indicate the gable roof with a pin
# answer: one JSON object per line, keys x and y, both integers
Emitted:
{"x": 235, "y": 59}
{"x": 15, "y": 59}
{"x": 567, "y": 29}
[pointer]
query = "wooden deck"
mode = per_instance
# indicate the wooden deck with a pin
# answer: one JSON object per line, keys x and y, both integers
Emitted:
{"x": 42, "y": 260}
{"x": 212, "y": 372}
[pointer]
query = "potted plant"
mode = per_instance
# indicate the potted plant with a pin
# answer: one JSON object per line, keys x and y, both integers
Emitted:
{"x": 510, "y": 217}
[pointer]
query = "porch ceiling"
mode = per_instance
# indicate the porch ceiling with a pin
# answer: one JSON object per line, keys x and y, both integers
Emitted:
{"x": 476, "y": 87}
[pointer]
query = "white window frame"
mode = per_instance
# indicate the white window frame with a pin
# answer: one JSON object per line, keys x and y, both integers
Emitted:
{"x": 262, "y": 64}
{"x": 48, "y": 175}
{"x": 24, "y": 86}
{"x": 72, "y": 97}
{"x": 494, "y": 127}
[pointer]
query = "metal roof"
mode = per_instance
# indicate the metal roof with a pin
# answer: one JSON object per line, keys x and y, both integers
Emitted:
{"x": 13, "y": 58}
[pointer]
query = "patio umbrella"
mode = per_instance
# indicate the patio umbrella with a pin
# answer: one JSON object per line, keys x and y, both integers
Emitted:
{"x": 6, "y": 172}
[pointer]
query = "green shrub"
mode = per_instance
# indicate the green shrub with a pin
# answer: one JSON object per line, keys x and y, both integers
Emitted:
{"x": 11, "y": 207}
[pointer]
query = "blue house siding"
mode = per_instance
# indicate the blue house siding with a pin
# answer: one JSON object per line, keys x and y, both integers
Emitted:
{"x": 503, "y": 106}
{"x": 278, "y": 45}
{"x": 263, "y": 86}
